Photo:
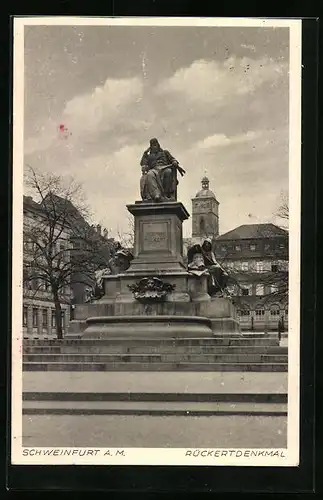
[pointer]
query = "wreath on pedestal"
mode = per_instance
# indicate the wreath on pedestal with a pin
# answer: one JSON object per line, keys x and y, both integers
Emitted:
{"x": 151, "y": 289}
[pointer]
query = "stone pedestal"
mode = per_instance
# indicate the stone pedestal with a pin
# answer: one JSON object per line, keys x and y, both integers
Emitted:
{"x": 158, "y": 244}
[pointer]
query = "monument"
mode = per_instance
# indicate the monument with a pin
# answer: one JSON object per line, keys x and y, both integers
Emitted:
{"x": 156, "y": 295}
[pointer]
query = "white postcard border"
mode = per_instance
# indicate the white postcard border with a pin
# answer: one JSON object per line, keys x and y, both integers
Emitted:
{"x": 159, "y": 456}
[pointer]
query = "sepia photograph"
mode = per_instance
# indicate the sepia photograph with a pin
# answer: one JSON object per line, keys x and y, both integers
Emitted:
{"x": 156, "y": 241}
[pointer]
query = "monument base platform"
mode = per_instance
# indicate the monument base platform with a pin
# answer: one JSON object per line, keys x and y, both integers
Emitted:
{"x": 105, "y": 319}
{"x": 147, "y": 326}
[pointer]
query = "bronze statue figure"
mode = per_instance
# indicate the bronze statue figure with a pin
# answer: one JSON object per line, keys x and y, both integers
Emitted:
{"x": 201, "y": 260}
{"x": 159, "y": 174}
{"x": 116, "y": 265}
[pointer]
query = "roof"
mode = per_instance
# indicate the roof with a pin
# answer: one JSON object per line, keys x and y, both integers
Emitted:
{"x": 205, "y": 193}
{"x": 253, "y": 231}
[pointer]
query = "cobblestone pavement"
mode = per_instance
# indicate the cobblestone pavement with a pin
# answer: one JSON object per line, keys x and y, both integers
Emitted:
{"x": 202, "y": 382}
{"x": 153, "y": 431}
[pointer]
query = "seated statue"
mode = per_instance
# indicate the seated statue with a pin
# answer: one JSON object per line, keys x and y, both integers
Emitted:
{"x": 195, "y": 260}
{"x": 116, "y": 265}
{"x": 159, "y": 168}
{"x": 201, "y": 260}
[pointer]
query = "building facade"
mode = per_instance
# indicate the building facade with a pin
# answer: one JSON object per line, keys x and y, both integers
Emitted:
{"x": 38, "y": 314}
{"x": 256, "y": 259}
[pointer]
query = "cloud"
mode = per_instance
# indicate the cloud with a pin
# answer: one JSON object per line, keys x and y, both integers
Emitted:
{"x": 100, "y": 108}
{"x": 220, "y": 140}
{"x": 87, "y": 114}
{"x": 212, "y": 81}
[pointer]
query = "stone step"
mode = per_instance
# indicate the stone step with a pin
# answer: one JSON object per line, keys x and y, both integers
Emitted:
{"x": 156, "y": 366}
{"x": 146, "y": 349}
{"x": 216, "y": 341}
{"x": 152, "y": 408}
{"x": 153, "y": 358}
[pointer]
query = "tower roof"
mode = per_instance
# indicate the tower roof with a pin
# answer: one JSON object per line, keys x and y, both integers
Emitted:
{"x": 205, "y": 192}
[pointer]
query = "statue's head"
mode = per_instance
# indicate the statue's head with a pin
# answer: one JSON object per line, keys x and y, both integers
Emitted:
{"x": 154, "y": 145}
{"x": 207, "y": 245}
{"x": 117, "y": 246}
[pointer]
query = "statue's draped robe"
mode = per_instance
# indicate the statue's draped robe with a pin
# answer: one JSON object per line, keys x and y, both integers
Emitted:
{"x": 218, "y": 276}
{"x": 158, "y": 182}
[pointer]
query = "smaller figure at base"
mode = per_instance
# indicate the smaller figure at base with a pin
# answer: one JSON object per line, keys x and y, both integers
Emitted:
{"x": 201, "y": 260}
{"x": 117, "y": 265}
{"x": 218, "y": 276}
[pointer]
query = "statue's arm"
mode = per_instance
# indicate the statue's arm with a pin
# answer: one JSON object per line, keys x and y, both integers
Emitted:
{"x": 174, "y": 162}
{"x": 171, "y": 158}
{"x": 144, "y": 159}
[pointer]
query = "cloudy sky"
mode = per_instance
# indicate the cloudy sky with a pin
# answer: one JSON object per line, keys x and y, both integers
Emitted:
{"x": 216, "y": 97}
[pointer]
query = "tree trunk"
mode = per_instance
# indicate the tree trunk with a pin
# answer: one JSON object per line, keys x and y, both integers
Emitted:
{"x": 58, "y": 315}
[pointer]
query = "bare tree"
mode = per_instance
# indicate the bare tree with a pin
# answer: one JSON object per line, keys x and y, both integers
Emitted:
{"x": 126, "y": 238}
{"x": 282, "y": 213}
{"x": 53, "y": 260}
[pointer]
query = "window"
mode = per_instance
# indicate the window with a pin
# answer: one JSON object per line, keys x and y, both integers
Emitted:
{"x": 246, "y": 289}
{"x": 259, "y": 289}
{"x": 267, "y": 246}
{"x": 281, "y": 246}
{"x": 259, "y": 267}
{"x": 24, "y": 316}
{"x": 244, "y": 312}
{"x": 231, "y": 289}
{"x": 25, "y": 281}
{"x": 202, "y": 224}
{"x": 266, "y": 265}
{"x": 237, "y": 265}
{"x": 238, "y": 248}
{"x": 259, "y": 313}
{"x": 53, "y": 319}
{"x": 44, "y": 318}
{"x": 252, "y": 247}
{"x": 273, "y": 288}
{"x": 35, "y": 317}
{"x": 286, "y": 312}
{"x": 63, "y": 319}
{"x": 274, "y": 311}
{"x": 244, "y": 266}
{"x": 223, "y": 248}
{"x": 41, "y": 284}
{"x": 274, "y": 268}
{"x": 34, "y": 284}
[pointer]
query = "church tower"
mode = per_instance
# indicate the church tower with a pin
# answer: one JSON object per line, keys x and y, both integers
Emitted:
{"x": 205, "y": 213}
